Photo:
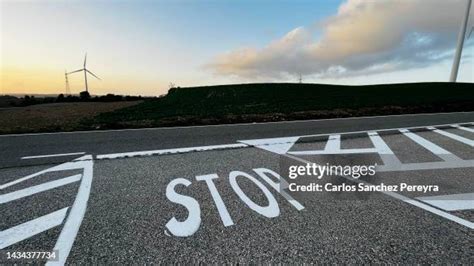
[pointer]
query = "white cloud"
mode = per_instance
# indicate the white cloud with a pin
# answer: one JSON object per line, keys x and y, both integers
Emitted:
{"x": 364, "y": 37}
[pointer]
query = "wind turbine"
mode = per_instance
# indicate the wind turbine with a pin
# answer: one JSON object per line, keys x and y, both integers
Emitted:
{"x": 461, "y": 37}
{"x": 85, "y": 73}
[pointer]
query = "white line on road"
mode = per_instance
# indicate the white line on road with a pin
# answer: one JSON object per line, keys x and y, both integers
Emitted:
{"x": 28, "y": 229}
{"x": 334, "y": 144}
{"x": 454, "y": 202}
{"x": 78, "y": 210}
{"x": 453, "y": 136}
{"x": 324, "y": 152}
{"x": 464, "y": 128}
{"x": 404, "y": 199}
{"x": 62, "y": 167}
{"x": 275, "y": 145}
{"x": 39, "y": 188}
{"x": 170, "y": 151}
{"x": 384, "y": 151}
{"x": 52, "y": 155}
{"x": 425, "y": 143}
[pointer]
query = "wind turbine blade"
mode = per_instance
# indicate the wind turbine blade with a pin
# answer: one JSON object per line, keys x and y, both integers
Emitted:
{"x": 93, "y": 74}
{"x": 79, "y": 70}
{"x": 85, "y": 59}
{"x": 470, "y": 33}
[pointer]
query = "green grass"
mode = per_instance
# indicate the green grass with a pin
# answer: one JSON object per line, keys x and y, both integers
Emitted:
{"x": 191, "y": 105}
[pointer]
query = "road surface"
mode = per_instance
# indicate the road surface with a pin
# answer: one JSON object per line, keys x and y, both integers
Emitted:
{"x": 216, "y": 194}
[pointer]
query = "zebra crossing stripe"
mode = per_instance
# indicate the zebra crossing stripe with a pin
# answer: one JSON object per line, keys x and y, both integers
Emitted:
{"x": 453, "y": 136}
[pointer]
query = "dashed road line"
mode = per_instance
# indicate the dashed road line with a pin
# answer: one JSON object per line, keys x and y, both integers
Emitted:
{"x": 170, "y": 151}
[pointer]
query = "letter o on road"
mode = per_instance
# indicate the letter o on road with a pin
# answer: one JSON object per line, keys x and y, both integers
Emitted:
{"x": 270, "y": 211}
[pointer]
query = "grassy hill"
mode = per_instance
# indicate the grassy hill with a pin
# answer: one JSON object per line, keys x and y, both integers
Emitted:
{"x": 280, "y": 101}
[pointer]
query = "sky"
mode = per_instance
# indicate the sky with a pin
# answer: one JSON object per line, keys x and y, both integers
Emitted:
{"x": 140, "y": 47}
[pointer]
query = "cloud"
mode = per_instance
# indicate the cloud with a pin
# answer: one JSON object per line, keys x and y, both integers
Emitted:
{"x": 364, "y": 37}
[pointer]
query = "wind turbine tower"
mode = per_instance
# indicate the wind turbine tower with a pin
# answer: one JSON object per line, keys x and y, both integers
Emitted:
{"x": 461, "y": 37}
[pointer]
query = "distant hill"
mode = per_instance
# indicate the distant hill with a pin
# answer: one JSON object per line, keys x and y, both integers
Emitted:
{"x": 280, "y": 101}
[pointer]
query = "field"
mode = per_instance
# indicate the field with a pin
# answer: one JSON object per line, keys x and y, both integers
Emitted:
{"x": 287, "y": 101}
{"x": 53, "y": 117}
{"x": 242, "y": 103}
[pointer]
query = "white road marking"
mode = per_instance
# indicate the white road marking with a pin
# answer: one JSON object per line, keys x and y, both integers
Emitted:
{"x": 334, "y": 144}
{"x": 426, "y": 166}
{"x": 384, "y": 151}
{"x": 454, "y": 202}
{"x": 280, "y": 185}
{"x": 344, "y": 151}
{"x": 379, "y": 144}
{"x": 347, "y": 132}
{"x": 73, "y": 222}
{"x": 38, "y": 188}
{"x": 221, "y": 208}
{"x": 275, "y": 145}
{"x": 52, "y": 155}
{"x": 453, "y": 136}
{"x": 62, "y": 167}
{"x": 170, "y": 151}
{"x": 443, "y": 214}
{"x": 404, "y": 199}
{"x": 464, "y": 128}
{"x": 269, "y": 211}
{"x": 28, "y": 229}
{"x": 435, "y": 149}
{"x": 192, "y": 223}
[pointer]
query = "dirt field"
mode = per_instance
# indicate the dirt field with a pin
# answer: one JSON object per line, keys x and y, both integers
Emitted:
{"x": 53, "y": 117}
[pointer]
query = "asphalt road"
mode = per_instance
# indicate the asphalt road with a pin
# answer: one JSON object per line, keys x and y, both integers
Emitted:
{"x": 213, "y": 194}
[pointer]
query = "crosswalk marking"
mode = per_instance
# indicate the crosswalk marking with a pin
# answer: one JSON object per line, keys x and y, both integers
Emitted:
{"x": 38, "y": 188}
{"x": 28, "y": 229}
{"x": 464, "y": 128}
{"x": 424, "y": 142}
{"x": 384, "y": 151}
{"x": 453, "y": 136}
{"x": 405, "y": 199}
{"x": 333, "y": 144}
{"x": 430, "y": 146}
{"x": 454, "y": 202}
